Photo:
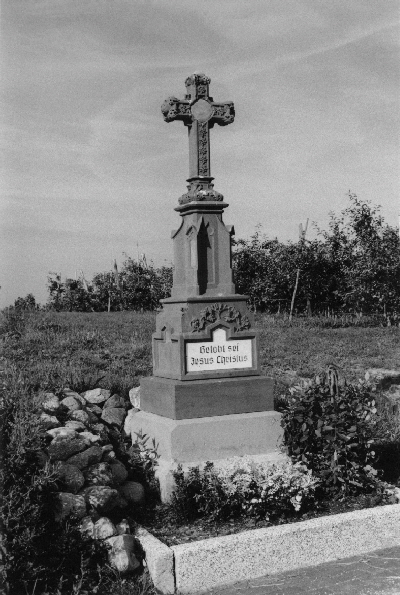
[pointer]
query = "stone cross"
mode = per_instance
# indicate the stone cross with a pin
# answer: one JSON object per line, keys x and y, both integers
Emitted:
{"x": 207, "y": 399}
{"x": 199, "y": 112}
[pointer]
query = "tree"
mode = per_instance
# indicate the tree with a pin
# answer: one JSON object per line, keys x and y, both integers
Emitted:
{"x": 143, "y": 286}
{"x": 138, "y": 286}
{"x": 71, "y": 295}
{"x": 366, "y": 256}
{"x": 26, "y": 303}
{"x": 352, "y": 267}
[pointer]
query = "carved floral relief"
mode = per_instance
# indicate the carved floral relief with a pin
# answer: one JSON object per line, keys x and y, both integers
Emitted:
{"x": 221, "y": 311}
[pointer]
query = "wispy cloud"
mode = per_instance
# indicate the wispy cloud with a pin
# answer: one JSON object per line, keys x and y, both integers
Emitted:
{"x": 87, "y": 151}
{"x": 356, "y": 35}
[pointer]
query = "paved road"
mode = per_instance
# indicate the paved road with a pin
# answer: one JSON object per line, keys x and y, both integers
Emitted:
{"x": 377, "y": 573}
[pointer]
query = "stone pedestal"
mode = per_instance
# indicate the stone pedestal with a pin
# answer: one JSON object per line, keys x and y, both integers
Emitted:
{"x": 177, "y": 399}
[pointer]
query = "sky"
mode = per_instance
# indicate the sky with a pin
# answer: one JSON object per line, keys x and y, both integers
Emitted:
{"x": 90, "y": 171}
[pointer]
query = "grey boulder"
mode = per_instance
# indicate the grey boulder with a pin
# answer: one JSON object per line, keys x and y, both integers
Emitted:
{"x": 71, "y": 477}
{"x": 121, "y": 555}
{"x": 132, "y": 491}
{"x": 134, "y": 397}
{"x": 87, "y": 526}
{"x": 63, "y": 447}
{"x": 71, "y": 393}
{"x": 49, "y": 421}
{"x": 62, "y": 432}
{"x": 91, "y": 438}
{"x": 51, "y": 404}
{"x": 78, "y": 426}
{"x": 123, "y": 527}
{"x": 119, "y": 472}
{"x": 70, "y": 404}
{"x": 69, "y": 505}
{"x": 104, "y": 528}
{"x": 102, "y": 498}
{"x": 94, "y": 409}
{"x": 99, "y": 474}
{"x": 100, "y": 430}
{"x": 88, "y": 457}
{"x": 114, "y": 416}
{"x": 79, "y": 415}
{"x": 109, "y": 456}
{"x": 115, "y": 401}
{"x": 96, "y": 395}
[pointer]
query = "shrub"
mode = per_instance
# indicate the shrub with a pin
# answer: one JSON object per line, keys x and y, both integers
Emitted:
{"x": 243, "y": 488}
{"x": 330, "y": 429}
{"x": 199, "y": 493}
{"x": 271, "y": 490}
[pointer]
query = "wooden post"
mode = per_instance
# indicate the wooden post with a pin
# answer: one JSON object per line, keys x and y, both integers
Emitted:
{"x": 109, "y": 294}
{"x": 294, "y": 295}
{"x": 302, "y": 237}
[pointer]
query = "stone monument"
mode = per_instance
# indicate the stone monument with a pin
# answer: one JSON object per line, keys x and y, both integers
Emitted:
{"x": 206, "y": 399}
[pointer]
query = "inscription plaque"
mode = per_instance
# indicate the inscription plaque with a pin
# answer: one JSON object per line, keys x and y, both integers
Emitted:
{"x": 219, "y": 354}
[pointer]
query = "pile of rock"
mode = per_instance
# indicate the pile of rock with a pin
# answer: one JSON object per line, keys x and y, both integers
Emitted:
{"x": 96, "y": 486}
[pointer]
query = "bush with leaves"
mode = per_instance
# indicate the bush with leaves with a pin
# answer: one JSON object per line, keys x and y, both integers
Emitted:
{"x": 199, "y": 493}
{"x": 330, "y": 429}
{"x": 243, "y": 488}
{"x": 269, "y": 491}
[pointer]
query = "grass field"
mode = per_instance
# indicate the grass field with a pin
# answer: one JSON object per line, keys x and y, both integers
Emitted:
{"x": 113, "y": 350}
{"x": 308, "y": 348}
{"x": 47, "y": 351}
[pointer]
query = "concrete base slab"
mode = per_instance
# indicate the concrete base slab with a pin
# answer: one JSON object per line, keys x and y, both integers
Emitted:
{"x": 220, "y": 562}
{"x": 191, "y": 442}
{"x": 178, "y": 399}
{"x": 211, "y": 438}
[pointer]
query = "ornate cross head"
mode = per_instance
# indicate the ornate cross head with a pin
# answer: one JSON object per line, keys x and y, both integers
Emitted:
{"x": 199, "y": 112}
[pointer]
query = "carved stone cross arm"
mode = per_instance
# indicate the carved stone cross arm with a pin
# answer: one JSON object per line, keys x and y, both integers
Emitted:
{"x": 199, "y": 113}
{"x": 176, "y": 109}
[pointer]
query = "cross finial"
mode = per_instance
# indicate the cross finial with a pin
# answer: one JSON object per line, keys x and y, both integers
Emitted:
{"x": 199, "y": 112}
{"x": 197, "y": 86}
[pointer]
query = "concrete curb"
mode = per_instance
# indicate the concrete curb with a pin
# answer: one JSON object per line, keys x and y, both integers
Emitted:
{"x": 218, "y": 562}
{"x": 159, "y": 560}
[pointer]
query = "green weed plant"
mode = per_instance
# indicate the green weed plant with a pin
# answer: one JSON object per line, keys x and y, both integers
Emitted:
{"x": 243, "y": 488}
{"x": 331, "y": 429}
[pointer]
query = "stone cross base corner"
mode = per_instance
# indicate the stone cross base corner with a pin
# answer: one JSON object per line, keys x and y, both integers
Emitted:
{"x": 192, "y": 442}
